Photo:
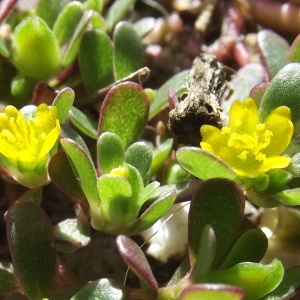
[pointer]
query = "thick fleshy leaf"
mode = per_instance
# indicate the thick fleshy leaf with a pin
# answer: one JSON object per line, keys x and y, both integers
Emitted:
{"x": 84, "y": 168}
{"x": 139, "y": 155}
{"x": 294, "y": 55}
{"x": 289, "y": 284}
{"x": 73, "y": 46}
{"x": 250, "y": 247}
{"x": 67, "y": 21}
{"x": 111, "y": 152}
{"x": 177, "y": 83}
{"x": 203, "y": 164}
{"x": 60, "y": 172}
{"x": 116, "y": 205}
{"x": 72, "y": 234}
{"x": 101, "y": 289}
{"x": 255, "y": 279}
{"x": 160, "y": 154}
{"x": 117, "y": 10}
{"x": 8, "y": 282}
{"x": 206, "y": 254}
{"x": 128, "y": 50}
{"x": 163, "y": 200}
{"x": 289, "y": 197}
{"x": 36, "y": 51}
{"x": 4, "y": 49}
{"x": 95, "y": 60}
{"x": 243, "y": 82}
{"x": 49, "y": 10}
{"x": 31, "y": 244}
{"x": 274, "y": 50}
{"x": 148, "y": 191}
{"x": 212, "y": 292}
{"x": 258, "y": 91}
{"x": 136, "y": 182}
{"x": 137, "y": 262}
{"x": 63, "y": 102}
{"x": 220, "y": 203}
{"x": 125, "y": 112}
{"x": 144, "y": 25}
{"x": 83, "y": 123}
{"x": 283, "y": 90}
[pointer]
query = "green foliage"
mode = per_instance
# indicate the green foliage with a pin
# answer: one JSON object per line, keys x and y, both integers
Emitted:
{"x": 30, "y": 232}
{"x": 126, "y": 170}
{"x": 36, "y": 51}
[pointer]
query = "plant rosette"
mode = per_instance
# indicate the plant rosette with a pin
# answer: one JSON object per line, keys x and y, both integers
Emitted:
{"x": 118, "y": 194}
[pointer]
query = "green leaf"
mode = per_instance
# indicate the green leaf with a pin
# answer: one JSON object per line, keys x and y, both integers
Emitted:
{"x": 211, "y": 292}
{"x": 4, "y": 50}
{"x": 96, "y": 5}
{"x": 289, "y": 197}
{"x": 136, "y": 182}
{"x": 139, "y": 155}
{"x": 294, "y": 55}
{"x": 36, "y": 51}
{"x": 73, "y": 46}
{"x": 250, "y": 247}
{"x": 164, "y": 199}
{"x": 49, "y": 10}
{"x": 278, "y": 180}
{"x": 144, "y": 26}
{"x": 83, "y": 123}
{"x": 288, "y": 286}
{"x": 128, "y": 50}
{"x": 84, "y": 168}
{"x": 22, "y": 86}
{"x": 111, "y": 152}
{"x": 67, "y": 21}
{"x": 206, "y": 254}
{"x": 243, "y": 82}
{"x": 125, "y": 112}
{"x": 72, "y": 234}
{"x": 203, "y": 164}
{"x": 177, "y": 83}
{"x": 147, "y": 192}
{"x": 160, "y": 155}
{"x": 101, "y": 289}
{"x": 116, "y": 206}
{"x": 116, "y": 11}
{"x": 31, "y": 243}
{"x": 220, "y": 203}
{"x": 63, "y": 102}
{"x": 283, "y": 90}
{"x": 255, "y": 279}
{"x": 8, "y": 282}
{"x": 175, "y": 173}
{"x": 95, "y": 60}
{"x": 137, "y": 262}
{"x": 62, "y": 175}
{"x": 274, "y": 50}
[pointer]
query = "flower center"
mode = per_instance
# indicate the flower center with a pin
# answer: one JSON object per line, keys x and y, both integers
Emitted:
{"x": 249, "y": 147}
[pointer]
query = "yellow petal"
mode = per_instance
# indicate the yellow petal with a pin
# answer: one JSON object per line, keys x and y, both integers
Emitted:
{"x": 279, "y": 123}
{"x": 243, "y": 116}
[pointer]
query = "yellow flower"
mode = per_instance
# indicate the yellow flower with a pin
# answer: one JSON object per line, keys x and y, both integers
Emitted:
{"x": 249, "y": 147}
{"x": 26, "y": 138}
{"x": 120, "y": 171}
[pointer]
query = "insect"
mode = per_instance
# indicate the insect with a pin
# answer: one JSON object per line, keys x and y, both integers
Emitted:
{"x": 199, "y": 105}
